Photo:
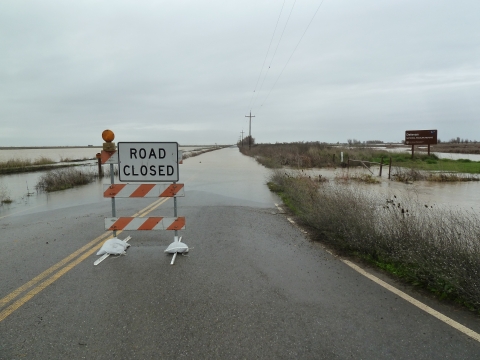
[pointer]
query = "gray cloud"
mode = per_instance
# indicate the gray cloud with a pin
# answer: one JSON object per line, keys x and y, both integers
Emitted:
{"x": 185, "y": 71}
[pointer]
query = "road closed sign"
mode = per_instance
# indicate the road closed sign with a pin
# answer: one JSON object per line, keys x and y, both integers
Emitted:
{"x": 148, "y": 162}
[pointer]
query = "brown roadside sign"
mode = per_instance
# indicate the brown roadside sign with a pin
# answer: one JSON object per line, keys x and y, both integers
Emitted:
{"x": 421, "y": 137}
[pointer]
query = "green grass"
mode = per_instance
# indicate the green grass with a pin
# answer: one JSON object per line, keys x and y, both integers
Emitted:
{"x": 427, "y": 162}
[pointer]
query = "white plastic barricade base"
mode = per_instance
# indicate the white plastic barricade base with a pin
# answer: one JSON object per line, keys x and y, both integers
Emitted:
{"x": 177, "y": 246}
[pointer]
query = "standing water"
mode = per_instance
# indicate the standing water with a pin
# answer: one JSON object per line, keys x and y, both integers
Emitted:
{"x": 20, "y": 188}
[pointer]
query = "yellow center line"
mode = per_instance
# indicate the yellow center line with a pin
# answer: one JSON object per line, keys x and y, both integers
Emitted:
{"x": 40, "y": 277}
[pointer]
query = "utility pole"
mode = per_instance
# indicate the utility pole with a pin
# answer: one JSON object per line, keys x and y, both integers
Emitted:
{"x": 242, "y": 136}
{"x": 250, "y": 130}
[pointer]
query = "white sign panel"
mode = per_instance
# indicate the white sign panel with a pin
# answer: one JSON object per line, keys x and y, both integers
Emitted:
{"x": 150, "y": 162}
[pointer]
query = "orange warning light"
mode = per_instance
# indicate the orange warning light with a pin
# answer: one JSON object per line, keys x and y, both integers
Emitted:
{"x": 108, "y": 135}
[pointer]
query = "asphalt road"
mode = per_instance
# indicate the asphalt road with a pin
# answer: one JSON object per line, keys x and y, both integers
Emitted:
{"x": 252, "y": 287}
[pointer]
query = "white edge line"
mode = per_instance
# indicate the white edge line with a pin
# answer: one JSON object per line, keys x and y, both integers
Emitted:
{"x": 469, "y": 332}
{"x": 417, "y": 303}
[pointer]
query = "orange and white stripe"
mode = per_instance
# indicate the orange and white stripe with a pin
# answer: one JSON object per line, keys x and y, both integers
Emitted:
{"x": 109, "y": 157}
{"x": 146, "y": 223}
{"x": 143, "y": 190}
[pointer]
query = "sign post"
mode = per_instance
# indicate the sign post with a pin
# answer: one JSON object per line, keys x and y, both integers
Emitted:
{"x": 421, "y": 137}
{"x": 152, "y": 162}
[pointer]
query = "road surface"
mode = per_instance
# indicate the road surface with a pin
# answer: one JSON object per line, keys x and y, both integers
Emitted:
{"x": 252, "y": 287}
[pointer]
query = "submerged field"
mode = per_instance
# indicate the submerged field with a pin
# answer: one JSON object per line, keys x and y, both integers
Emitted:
{"x": 318, "y": 155}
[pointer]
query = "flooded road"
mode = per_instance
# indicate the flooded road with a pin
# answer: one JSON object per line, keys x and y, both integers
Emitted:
{"x": 26, "y": 199}
{"x": 20, "y": 188}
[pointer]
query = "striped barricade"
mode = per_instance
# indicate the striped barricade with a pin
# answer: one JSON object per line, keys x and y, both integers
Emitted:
{"x": 143, "y": 190}
{"x": 109, "y": 157}
{"x": 146, "y": 223}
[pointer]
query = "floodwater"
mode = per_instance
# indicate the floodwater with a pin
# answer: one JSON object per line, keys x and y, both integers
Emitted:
{"x": 454, "y": 196}
{"x": 421, "y": 149}
{"x": 20, "y": 188}
{"x": 58, "y": 154}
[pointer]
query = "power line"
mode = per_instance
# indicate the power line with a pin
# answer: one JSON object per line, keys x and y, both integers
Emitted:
{"x": 276, "y": 48}
{"x": 266, "y": 55}
{"x": 311, "y": 20}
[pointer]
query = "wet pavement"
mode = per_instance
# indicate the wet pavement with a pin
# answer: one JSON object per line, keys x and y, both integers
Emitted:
{"x": 253, "y": 285}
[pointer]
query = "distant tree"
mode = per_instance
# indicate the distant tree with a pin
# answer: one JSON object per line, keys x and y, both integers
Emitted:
{"x": 247, "y": 139}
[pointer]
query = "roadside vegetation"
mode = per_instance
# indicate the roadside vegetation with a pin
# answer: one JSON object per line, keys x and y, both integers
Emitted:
{"x": 18, "y": 165}
{"x": 434, "y": 248}
{"x": 18, "y": 162}
{"x": 62, "y": 179}
{"x": 320, "y": 155}
{"x": 430, "y": 247}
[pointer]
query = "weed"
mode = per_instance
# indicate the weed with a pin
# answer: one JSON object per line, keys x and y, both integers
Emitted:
{"x": 43, "y": 160}
{"x": 4, "y": 196}
{"x": 358, "y": 177}
{"x": 302, "y": 155}
{"x": 55, "y": 180}
{"x": 22, "y": 163}
{"x": 435, "y": 248}
{"x": 409, "y": 175}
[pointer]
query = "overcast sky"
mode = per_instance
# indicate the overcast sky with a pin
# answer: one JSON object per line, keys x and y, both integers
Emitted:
{"x": 190, "y": 70}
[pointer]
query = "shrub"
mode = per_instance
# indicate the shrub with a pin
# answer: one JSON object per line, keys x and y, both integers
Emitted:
{"x": 55, "y": 180}
{"x": 436, "y": 248}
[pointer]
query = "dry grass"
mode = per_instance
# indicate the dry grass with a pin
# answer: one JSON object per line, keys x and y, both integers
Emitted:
{"x": 462, "y": 148}
{"x": 358, "y": 177}
{"x": 436, "y": 248}
{"x": 21, "y": 163}
{"x": 320, "y": 155}
{"x": 410, "y": 175}
{"x": 55, "y": 180}
{"x": 298, "y": 155}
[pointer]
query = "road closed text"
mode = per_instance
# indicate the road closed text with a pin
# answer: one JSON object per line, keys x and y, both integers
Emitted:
{"x": 148, "y": 161}
{"x": 144, "y": 170}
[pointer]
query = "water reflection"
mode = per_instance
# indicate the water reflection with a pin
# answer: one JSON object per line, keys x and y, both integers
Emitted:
{"x": 62, "y": 153}
{"x": 20, "y": 188}
{"x": 451, "y": 156}
{"x": 458, "y": 195}
{"x": 26, "y": 199}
